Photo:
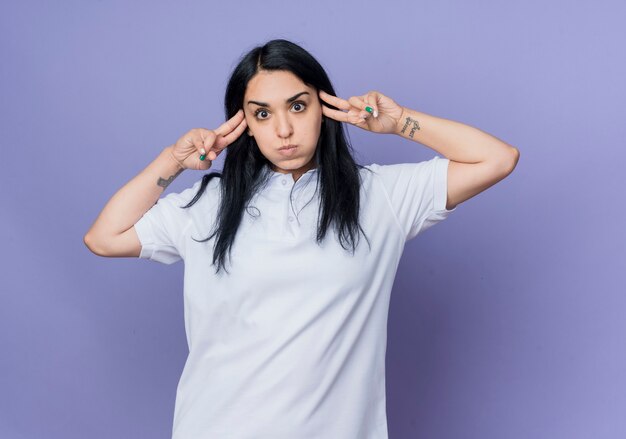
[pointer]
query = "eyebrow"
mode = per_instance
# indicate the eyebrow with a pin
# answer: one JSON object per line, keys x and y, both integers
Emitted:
{"x": 291, "y": 99}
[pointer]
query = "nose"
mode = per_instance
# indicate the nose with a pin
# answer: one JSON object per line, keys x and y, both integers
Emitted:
{"x": 284, "y": 129}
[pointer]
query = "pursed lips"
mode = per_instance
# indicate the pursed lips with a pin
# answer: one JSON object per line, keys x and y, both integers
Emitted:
{"x": 287, "y": 147}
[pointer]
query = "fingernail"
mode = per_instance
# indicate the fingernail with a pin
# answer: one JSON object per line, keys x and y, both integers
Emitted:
{"x": 202, "y": 151}
{"x": 368, "y": 109}
{"x": 375, "y": 113}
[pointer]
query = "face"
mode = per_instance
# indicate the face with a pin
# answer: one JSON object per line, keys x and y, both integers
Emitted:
{"x": 281, "y": 110}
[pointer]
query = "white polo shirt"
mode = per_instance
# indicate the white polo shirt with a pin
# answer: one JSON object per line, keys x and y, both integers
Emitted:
{"x": 291, "y": 344}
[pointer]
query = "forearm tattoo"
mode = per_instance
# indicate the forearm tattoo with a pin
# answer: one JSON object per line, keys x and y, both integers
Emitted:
{"x": 165, "y": 183}
{"x": 408, "y": 121}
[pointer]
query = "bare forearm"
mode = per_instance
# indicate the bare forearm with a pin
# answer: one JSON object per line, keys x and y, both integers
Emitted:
{"x": 453, "y": 140}
{"x": 136, "y": 197}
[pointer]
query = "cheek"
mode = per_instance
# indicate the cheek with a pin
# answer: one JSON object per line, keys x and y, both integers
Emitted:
{"x": 263, "y": 138}
{"x": 315, "y": 124}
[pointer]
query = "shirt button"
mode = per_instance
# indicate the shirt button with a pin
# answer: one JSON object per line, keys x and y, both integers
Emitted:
{"x": 290, "y": 219}
{"x": 284, "y": 181}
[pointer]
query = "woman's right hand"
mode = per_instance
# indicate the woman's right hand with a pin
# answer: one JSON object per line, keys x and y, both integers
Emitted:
{"x": 210, "y": 143}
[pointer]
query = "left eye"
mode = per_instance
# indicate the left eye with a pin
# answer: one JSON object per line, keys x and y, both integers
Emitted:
{"x": 300, "y": 105}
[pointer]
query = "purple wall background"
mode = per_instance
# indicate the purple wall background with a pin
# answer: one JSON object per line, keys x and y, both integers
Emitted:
{"x": 507, "y": 320}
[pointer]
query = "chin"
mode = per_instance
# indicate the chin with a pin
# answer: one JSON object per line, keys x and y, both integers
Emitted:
{"x": 290, "y": 165}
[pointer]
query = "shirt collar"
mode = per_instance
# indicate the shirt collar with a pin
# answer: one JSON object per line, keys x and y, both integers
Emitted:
{"x": 281, "y": 181}
{"x": 276, "y": 174}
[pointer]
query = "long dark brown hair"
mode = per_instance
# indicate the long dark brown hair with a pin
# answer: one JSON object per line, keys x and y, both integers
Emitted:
{"x": 245, "y": 167}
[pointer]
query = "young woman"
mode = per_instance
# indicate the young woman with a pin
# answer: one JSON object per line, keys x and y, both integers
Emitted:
{"x": 287, "y": 338}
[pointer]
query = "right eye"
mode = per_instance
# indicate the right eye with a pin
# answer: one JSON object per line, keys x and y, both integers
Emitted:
{"x": 257, "y": 112}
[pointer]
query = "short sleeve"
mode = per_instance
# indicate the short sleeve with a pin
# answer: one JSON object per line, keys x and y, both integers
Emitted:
{"x": 417, "y": 193}
{"x": 161, "y": 229}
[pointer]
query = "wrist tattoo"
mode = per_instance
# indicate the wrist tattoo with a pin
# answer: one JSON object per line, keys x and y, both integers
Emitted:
{"x": 166, "y": 182}
{"x": 408, "y": 121}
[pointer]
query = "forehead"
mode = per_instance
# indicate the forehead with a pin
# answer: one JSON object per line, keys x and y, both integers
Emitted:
{"x": 274, "y": 86}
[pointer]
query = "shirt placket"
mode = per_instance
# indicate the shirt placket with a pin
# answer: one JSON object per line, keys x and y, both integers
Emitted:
{"x": 289, "y": 223}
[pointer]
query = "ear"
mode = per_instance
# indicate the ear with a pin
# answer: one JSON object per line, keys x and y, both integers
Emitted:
{"x": 250, "y": 133}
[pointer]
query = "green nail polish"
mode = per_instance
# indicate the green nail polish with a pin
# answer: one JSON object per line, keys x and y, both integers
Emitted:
{"x": 369, "y": 109}
{"x": 202, "y": 157}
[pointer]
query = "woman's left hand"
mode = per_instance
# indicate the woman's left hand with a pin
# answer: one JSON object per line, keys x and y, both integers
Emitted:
{"x": 384, "y": 119}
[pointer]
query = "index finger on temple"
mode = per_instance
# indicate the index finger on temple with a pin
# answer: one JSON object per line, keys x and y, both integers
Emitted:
{"x": 226, "y": 140}
{"x": 228, "y": 126}
{"x": 337, "y": 102}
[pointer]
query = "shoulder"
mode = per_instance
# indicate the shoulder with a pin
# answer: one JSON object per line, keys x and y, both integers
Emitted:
{"x": 201, "y": 190}
{"x": 378, "y": 168}
{"x": 396, "y": 171}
